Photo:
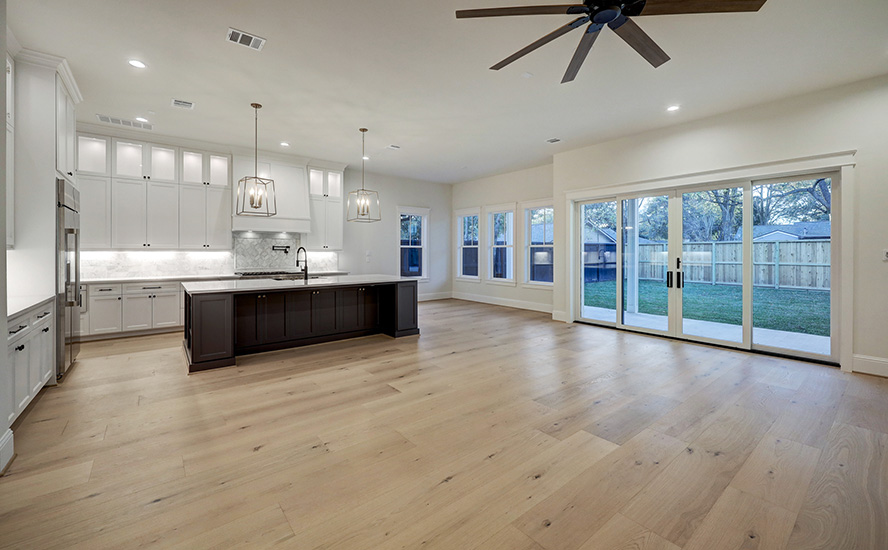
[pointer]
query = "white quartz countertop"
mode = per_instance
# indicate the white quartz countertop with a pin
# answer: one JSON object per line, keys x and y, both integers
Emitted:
{"x": 207, "y": 287}
{"x": 18, "y": 304}
{"x": 185, "y": 278}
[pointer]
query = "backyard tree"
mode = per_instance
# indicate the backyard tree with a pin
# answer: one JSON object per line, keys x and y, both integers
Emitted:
{"x": 784, "y": 203}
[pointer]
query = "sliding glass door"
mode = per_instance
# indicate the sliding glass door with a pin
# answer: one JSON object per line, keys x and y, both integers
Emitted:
{"x": 646, "y": 278}
{"x": 746, "y": 265}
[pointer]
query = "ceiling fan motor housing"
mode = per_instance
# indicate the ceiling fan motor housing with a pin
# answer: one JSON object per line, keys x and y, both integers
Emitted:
{"x": 605, "y": 15}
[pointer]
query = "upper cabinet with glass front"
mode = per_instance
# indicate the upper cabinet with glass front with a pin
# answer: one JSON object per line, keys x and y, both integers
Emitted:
{"x": 93, "y": 155}
{"x": 137, "y": 159}
{"x": 201, "y": 168}
{"x": 325, "y": 183}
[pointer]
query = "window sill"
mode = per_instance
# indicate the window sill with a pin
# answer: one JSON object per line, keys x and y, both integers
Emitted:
{"x": 538, "y": 286}
{"x": 467, "y": 279}
{"x": 501, "y": 282}
{"x": 419, "y": 279}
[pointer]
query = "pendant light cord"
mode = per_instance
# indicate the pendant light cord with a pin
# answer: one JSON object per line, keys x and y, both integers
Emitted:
{"x": 363, "y": 154}
{"x": 256, "y": 142}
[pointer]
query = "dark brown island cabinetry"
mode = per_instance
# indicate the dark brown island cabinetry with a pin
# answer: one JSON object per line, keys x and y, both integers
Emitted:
{"x": 222, "y": 325}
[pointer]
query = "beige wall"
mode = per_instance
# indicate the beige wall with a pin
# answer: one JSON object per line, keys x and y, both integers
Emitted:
{"x": 848, "y": 118}
{"x": 380, "y": 239}
{"x": 525, "y": 185}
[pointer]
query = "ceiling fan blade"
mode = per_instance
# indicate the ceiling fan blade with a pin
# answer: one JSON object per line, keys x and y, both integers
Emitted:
{"x": 558, "y": 9}
{"x": 560, "y": 31}
{"x": 674, "y": 7}
{"x": 582, "y": 51}
{"x": 639, "y": 40}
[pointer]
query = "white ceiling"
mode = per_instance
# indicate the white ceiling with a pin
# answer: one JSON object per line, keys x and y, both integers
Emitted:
{"x": 418, "y": 78}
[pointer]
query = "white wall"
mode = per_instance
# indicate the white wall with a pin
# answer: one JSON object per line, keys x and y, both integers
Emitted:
{"x": 852, "y": 117}
{"x": 380, "y": 239}
{"x": 533, "y": 184}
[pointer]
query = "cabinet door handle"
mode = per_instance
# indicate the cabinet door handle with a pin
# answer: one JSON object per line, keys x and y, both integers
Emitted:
{"x": 46, "y": 329}
{"x": 20, "y": 348}
{"x": 118, "y": 297}
{"x": 70, "y": 173}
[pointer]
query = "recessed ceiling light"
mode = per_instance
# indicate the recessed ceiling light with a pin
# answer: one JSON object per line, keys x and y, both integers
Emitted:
{"x": 673, "y": 108}
{"x": 284, "y": 144}
{"x": 141, "y": 119}
{"x": 137, "y": 64}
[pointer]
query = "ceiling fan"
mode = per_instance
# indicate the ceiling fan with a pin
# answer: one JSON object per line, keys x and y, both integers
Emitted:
{"x": 616, "y": 15}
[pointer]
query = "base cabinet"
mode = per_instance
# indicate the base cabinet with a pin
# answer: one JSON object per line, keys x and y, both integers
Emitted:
{"x": 265, "y": 321}
{"x": 31, "y": 353}
{"x": 105, "y": 313}
{"x": 20, "y": 359}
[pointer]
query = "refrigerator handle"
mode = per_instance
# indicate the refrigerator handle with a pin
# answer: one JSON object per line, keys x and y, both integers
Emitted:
{"x": 76, "y": 301}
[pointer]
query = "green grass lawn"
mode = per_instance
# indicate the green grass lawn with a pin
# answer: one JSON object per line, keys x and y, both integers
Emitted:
{"x": 802, "y": 311}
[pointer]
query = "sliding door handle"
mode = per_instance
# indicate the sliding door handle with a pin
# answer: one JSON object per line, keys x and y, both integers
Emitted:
{"x": 668, "y": 279}
{"x": 679, "y": 279}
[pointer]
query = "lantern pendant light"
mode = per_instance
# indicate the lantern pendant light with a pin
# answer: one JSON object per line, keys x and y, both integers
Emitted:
{"x": 255, "y": 195}
{"x": 363, "y": 204}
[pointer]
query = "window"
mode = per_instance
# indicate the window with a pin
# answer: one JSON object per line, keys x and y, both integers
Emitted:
{"x": 501, "y": 241}
{"x": 413, "y": 241}
{"x": 467, "y": 244}
{"x": 539, "y": 244}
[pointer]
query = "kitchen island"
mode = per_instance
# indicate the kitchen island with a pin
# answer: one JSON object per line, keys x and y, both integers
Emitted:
{"x": 224, "y": 319}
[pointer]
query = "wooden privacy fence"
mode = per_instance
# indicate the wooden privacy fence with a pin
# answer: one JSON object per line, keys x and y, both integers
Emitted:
{"x": 776, "y": 264}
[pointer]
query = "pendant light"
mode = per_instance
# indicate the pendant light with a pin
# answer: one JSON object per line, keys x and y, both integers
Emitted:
{"x": 363, "y": 204}
{"x": 255, "y": 195}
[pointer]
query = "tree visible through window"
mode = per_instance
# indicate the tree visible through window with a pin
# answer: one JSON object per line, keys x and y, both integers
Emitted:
{"x": 468, "y": 246}
{"x": 540, "y": 244}
{"x": 501, "y": 245}
{"x": 411, "y": 245}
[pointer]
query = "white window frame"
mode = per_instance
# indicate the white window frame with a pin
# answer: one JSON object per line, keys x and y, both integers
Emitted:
{"x": 424, "y": 246}
{"x": 525, "y": 208}
{"x": 459, "y": 215}
{"x": 489, "y": 212}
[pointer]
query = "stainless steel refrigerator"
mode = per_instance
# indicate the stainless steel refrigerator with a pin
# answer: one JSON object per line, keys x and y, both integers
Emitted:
{"x": 68, "y": 277}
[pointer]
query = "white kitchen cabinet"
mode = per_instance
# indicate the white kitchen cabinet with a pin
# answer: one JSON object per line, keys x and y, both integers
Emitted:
{"x": 93, "y": 155}
{"x": 31, "y": 356}
{"x": 147, "y": 306}
{"x": 20, "y": 360}
{"x": 144, "y": 214}
{"x": 325, "y": 188}
{"x": 10, "y": 91}
{"x": 202, "y": 168}
{"x": 165, "y": 309}
{"x": 65, "y": 131}
{"x": 10, "y": 186}
{"x": 105, "y": 309}
{"x": 95, "y": 212}
{"x": 136, "y": 159}
{"x": 204, "y": 217}
{"x": 162, "y": 215}
{"x": 136, "y": 312}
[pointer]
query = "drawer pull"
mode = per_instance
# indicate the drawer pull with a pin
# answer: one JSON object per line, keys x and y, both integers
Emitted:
{"x": 20, "y": 348}
{"x": 105, "y": 289}
{"x": 152, "y": 287}
{"x": 45, "y": 313}
{"x": 19, "y": 329}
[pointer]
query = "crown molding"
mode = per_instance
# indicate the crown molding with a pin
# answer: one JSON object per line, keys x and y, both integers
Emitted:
{"x": 13, "y": 47}
{"x": 58, "y": 64}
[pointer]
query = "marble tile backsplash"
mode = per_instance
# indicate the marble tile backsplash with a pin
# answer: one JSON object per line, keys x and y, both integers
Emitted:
{"x": 253, "y": 251}
{"x": 120, "y": 265}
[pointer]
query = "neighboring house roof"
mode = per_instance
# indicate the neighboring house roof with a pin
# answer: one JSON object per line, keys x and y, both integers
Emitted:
{"x": 609, "y": 235}
{"x": 790, "y": 232}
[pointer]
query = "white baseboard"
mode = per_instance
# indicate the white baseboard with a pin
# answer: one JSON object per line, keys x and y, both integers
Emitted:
{"x": 870, "y": 365}
{"x": 518, "y": 304}
{"x": 561, "y": 316}
{"x": 7, "y": 450}
{"x": 434, "y": 296}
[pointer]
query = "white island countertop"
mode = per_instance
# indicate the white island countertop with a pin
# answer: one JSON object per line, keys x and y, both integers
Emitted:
{"x": 209, "y": 287}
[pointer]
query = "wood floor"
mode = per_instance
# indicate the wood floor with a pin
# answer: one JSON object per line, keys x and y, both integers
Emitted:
{"x": 494, "y": 429}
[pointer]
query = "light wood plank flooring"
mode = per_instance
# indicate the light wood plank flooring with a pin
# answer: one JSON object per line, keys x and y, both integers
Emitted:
{"x": 495, "y": 429}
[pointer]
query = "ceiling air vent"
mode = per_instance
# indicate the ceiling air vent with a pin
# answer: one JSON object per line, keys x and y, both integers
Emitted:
{"x": 394, "y": 147}
{"x": 552, "y": 140}
{"x": 124, "y": 122}
{"x": 245, "y": 39}
{"x": 182, "y": 104}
